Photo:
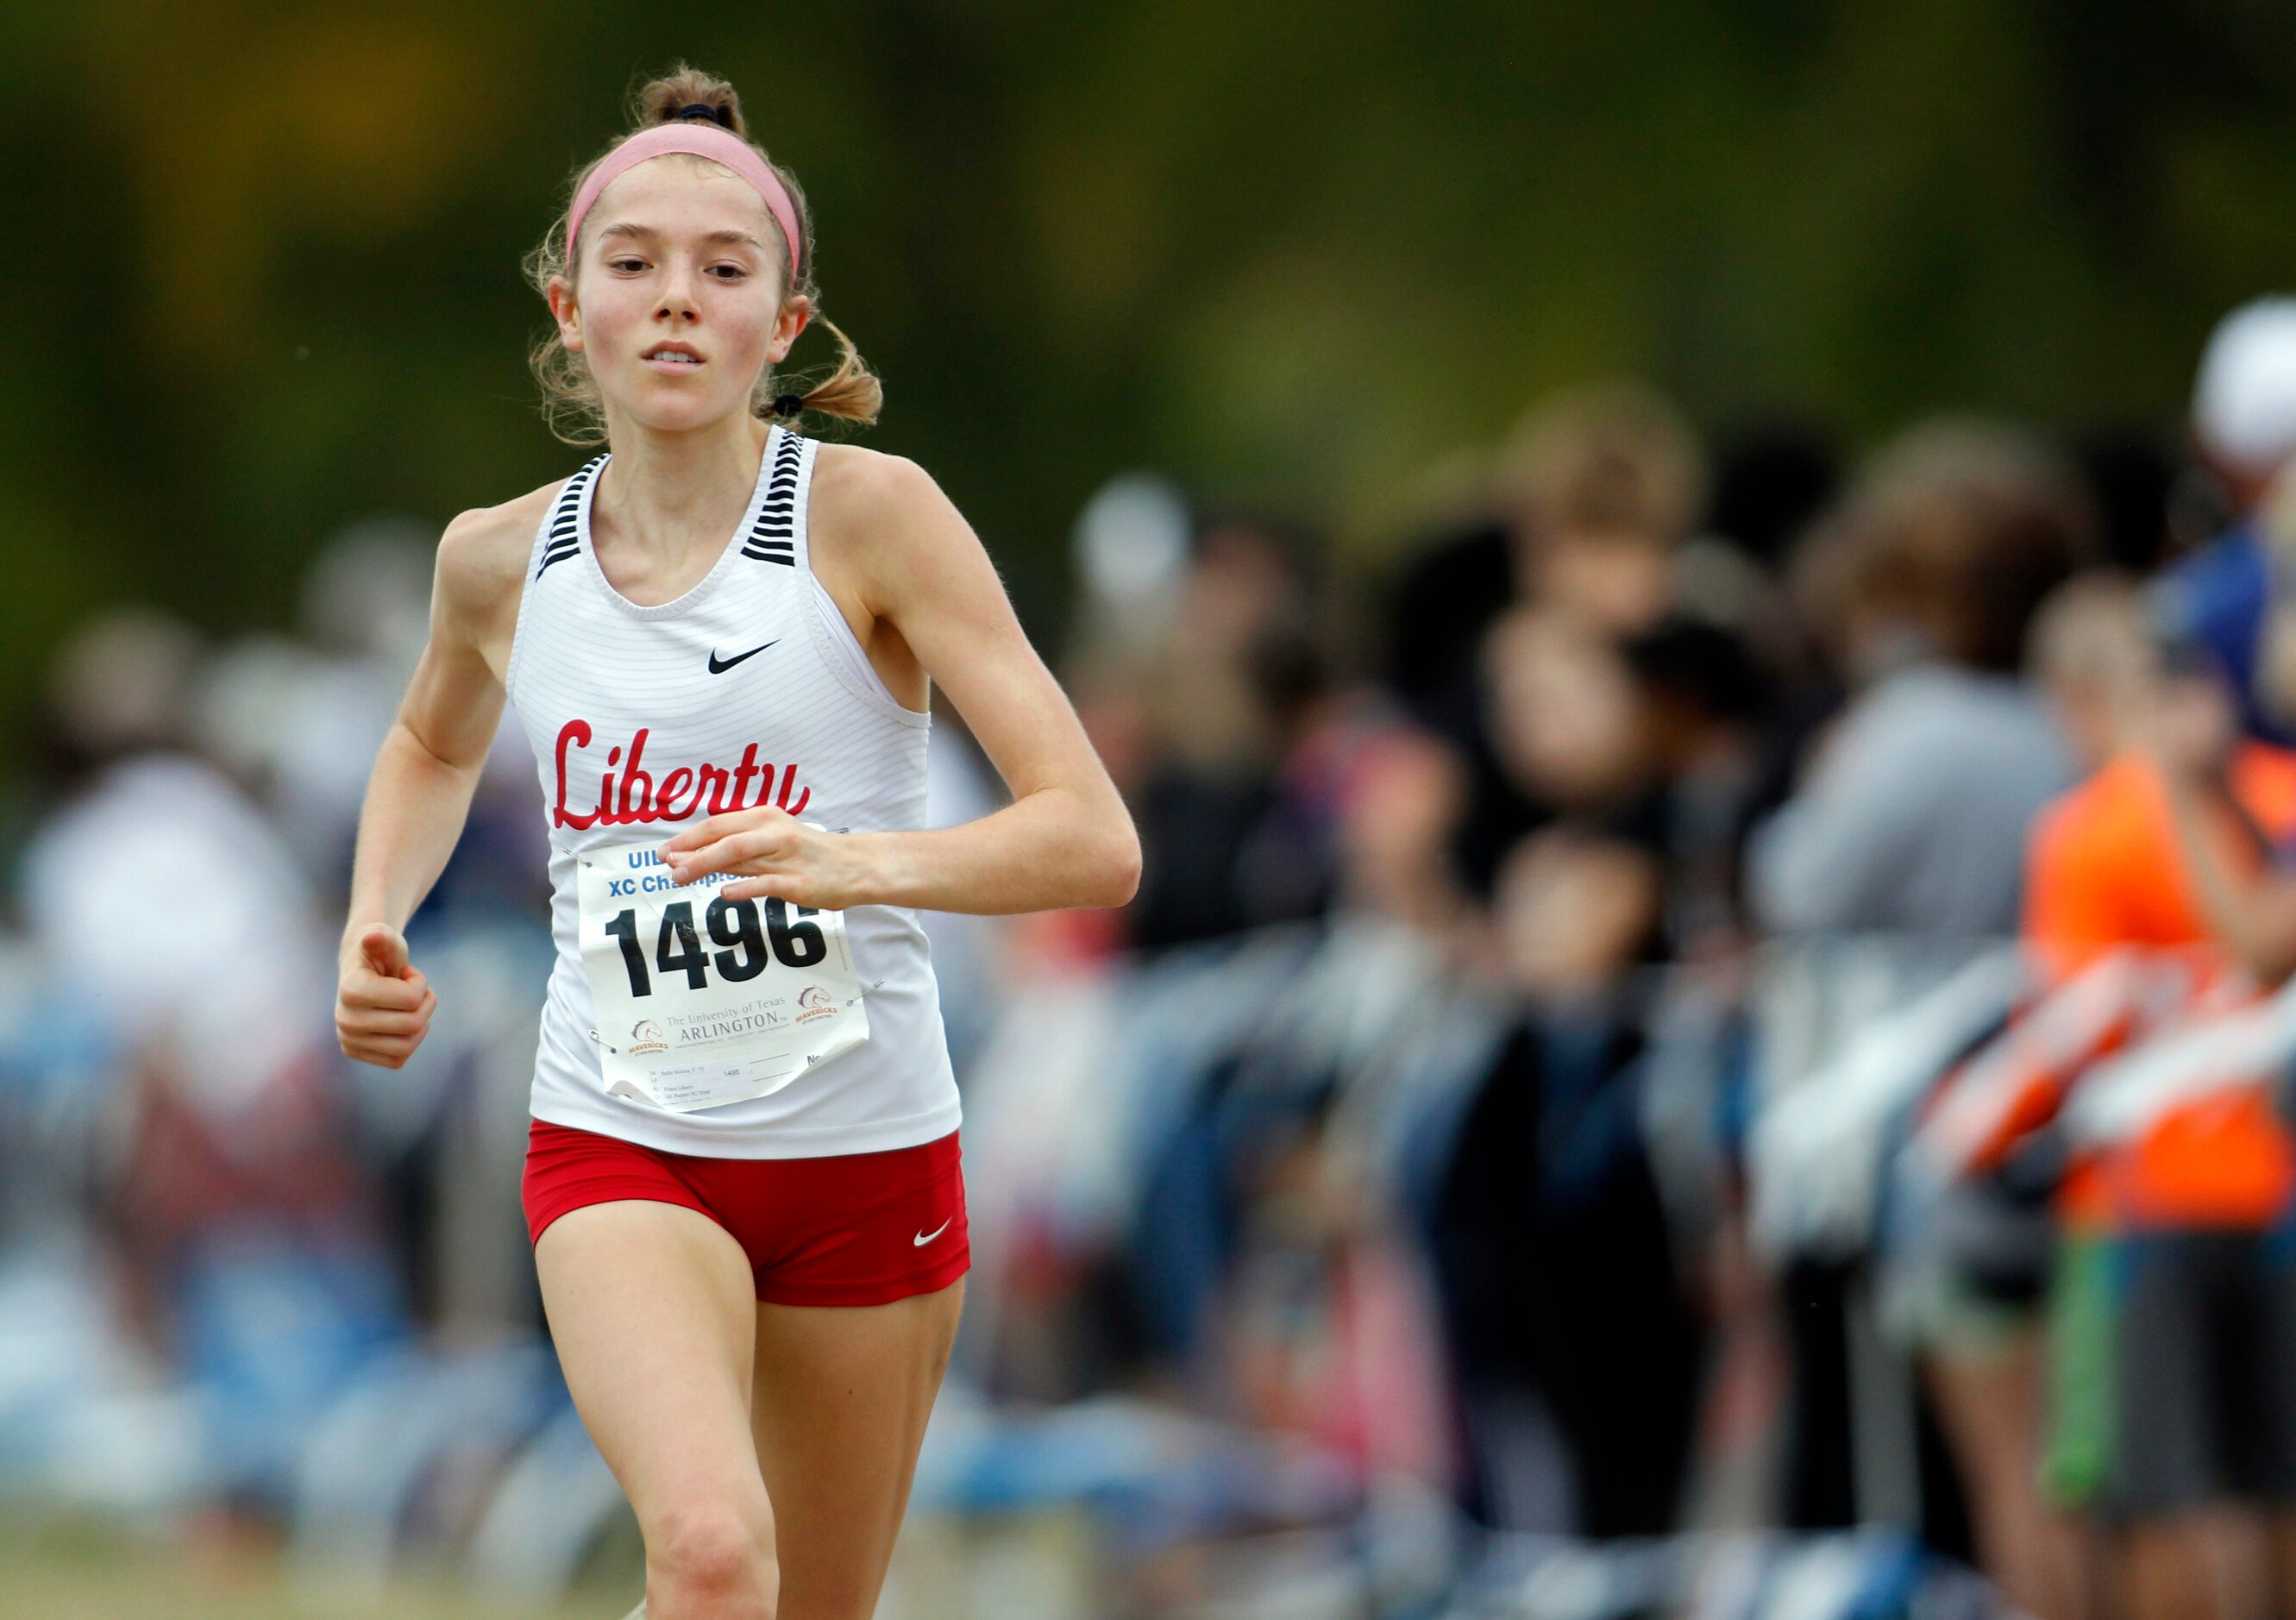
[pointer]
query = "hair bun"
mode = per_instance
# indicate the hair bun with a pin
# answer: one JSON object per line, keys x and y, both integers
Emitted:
{"x": 688, "y": 92}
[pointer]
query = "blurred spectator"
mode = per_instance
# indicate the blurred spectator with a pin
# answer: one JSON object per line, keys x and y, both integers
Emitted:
{"x": 153, "y": 832}
{"x": 1592, "y": 494}
{"x": 1559, "y": 731}
{"x": 2184, "y": 1437}
{"x": 1576, "y": 912}
{"x": 1233, "y": 799}
{"x": 1564, "y": 719}
{"x": 1702, "y": 700}
{"x": 1402, "y": 798}
{"x": 1592, "y": 497}
{"x": 2245, "y": 428}
{"x": 2101, "y": 877}
{"x": 364, "y": 609}
{"x": 1130, "y": 550}
{"x": 1608, "y": 483}
{"x": 158, "y": 895}
{"x": 1912, "y": 814}
{"x": 2104, "y": 871}
{"x": 1910, "y": 818}
{"x": 1571, "y": 1336}
{"x": 2198, "y": 747}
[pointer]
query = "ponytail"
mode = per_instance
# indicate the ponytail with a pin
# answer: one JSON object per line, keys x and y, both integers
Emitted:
{"x": 851, "y": 392}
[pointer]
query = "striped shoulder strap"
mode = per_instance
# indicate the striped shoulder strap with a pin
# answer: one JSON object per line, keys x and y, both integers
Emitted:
{"x": 772, "y": 539}
{"x": 565, "y": 517}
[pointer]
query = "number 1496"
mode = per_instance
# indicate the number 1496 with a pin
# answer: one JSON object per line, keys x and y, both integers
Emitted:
{"x": 748, "y": 946}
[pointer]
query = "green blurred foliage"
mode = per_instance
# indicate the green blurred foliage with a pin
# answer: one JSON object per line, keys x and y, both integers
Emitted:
{"x": 265, "y": 276}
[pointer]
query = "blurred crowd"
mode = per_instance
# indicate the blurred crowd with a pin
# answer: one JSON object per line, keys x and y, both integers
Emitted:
{"x": 1725, "y": 998}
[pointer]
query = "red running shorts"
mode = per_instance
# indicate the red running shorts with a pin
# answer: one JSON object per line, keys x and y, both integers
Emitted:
{"x": 854, "y": 1229}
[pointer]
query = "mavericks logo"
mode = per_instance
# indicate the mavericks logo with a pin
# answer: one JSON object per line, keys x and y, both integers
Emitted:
{"x": 813, "y": 1002}
{"x": 645, "y": 1036}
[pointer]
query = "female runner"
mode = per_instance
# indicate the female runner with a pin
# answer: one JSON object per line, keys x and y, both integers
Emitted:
{"x": 719, "y": 636}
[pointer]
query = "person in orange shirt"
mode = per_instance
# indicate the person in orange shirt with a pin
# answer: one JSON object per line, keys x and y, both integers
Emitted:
{"x": 2104, "y": 870}
{"x": 2174, "y": 1314}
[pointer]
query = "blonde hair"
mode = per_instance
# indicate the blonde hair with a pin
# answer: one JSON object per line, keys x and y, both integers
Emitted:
{"x": 1612, "y": 458}
{"x": 2092, "y": 632}
{"x": 570, "y": 393}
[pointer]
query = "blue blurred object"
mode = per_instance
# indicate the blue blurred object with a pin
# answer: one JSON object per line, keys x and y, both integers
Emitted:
{"x": 408, "y": 1458}
{"x": 555, "y": 1499}
{"x": 86, "y": 1417}
{"x": 1868, "y": 1575}
{"x": 274, "y": 1324}
{"x": 2214, "y": 602}
{"x": 1153, "y": 1477}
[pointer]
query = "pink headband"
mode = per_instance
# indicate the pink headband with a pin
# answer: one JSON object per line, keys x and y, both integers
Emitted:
{"x": 711, "y": 141}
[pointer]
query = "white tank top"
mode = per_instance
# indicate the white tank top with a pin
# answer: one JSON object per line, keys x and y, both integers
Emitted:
{"x": 748, "y": 689}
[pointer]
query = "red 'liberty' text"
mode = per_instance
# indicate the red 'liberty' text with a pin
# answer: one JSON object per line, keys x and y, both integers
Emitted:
{"x": 627, "y": 793}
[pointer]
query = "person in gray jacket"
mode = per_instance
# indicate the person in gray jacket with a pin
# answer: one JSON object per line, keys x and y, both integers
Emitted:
{"x": 1911, "y": 814}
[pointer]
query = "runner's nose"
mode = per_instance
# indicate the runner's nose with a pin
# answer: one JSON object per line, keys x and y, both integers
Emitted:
{"x": 678, "y": 299}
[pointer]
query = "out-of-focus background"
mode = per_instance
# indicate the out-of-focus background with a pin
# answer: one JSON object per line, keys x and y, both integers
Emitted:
{"x": 1619, "y": 558}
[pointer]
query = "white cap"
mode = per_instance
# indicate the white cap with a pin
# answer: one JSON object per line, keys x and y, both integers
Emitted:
{"x": 2244, "y": 403}
{"x": 1131, "y": 541}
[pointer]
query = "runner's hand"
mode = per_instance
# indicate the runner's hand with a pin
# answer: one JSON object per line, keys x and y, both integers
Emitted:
{"x": 382, "y": 1003}
{"x": 776, "y": 854}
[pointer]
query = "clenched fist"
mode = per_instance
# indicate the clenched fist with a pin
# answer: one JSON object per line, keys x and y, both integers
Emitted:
{"x": 382, "y": 1003}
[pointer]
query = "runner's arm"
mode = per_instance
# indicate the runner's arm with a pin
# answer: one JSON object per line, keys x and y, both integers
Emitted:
{"x": 428, "y": 767}
{"x": 1066, "y": 839}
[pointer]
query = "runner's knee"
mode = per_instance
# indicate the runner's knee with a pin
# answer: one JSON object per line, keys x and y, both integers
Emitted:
{"x": 712, "y": 1552}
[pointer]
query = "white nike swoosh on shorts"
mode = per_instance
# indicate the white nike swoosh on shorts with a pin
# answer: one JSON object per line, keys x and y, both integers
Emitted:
{"x": 923, "y": 1238}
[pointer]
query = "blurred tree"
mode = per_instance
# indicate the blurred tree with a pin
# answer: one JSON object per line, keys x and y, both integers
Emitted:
{"x": 264, "y": 277}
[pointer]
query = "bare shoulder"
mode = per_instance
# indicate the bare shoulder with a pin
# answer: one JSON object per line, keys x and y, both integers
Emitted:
{"x": 880, "y": 508}
{"x": 484, "y": 550}
{"x": 482, "y": 562}
{"x": 854, "y": 475}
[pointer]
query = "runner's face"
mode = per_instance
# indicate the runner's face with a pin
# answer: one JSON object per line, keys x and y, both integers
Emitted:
{"x": 679, "y": 302}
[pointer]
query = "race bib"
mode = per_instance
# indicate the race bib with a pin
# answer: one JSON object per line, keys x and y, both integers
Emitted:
{"x": 702, "y": 1000}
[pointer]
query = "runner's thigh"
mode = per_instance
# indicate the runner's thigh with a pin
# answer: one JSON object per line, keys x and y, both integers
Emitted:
{"x": 840, "y": 1399}
{"x": 652, "y": 1310}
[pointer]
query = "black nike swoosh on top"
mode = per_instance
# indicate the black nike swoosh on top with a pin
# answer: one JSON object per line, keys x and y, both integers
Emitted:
{"x": 717, "y": 668}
